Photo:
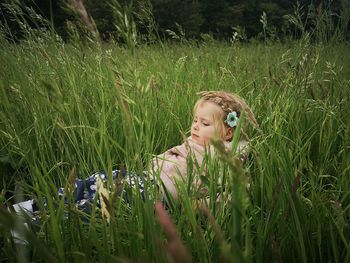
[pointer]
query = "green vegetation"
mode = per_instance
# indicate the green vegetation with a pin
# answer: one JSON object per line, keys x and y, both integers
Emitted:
{"x": 66, "y": 105}
{"x": 148, "y": 20}
{"x": 70, "y": 108}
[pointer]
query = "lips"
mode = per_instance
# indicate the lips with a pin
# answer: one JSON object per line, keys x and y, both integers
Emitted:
{"x": 195, "y": 136}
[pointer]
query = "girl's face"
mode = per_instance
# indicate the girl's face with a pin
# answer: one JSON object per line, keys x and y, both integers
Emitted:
{"x": 205, "y": 124}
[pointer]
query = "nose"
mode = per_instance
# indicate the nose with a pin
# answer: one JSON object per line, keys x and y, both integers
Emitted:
{"x": 195, "y": 127}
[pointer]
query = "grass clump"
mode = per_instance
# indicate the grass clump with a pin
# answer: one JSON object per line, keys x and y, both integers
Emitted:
{"x": 102, "y": 107}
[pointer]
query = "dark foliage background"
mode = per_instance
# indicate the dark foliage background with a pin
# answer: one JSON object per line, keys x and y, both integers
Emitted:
{"x": 189, "y": 18}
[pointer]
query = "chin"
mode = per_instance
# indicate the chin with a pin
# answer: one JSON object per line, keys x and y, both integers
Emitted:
{"x": 196, "y": 139}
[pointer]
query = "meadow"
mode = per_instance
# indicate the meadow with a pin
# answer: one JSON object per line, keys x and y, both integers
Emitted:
{"x": 69, "y": 109}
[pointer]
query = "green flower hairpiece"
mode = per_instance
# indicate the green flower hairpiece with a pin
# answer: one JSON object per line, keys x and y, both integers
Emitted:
{"x": 232, "y": 119}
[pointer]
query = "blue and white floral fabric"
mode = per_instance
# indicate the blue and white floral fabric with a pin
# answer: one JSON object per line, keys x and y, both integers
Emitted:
{"x": 85, "y": 195}
{"x": 86, "y": 189}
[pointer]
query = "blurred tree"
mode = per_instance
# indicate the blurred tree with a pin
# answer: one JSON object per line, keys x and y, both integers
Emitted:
{"x": 220, "y": 16}
{"x": 193, "y": 17}
{"x": 186, "y": 13}
{"x": 102, "y": 14}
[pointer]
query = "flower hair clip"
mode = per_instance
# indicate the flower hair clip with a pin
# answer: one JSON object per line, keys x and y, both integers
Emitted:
{"x": 232, "y": 119}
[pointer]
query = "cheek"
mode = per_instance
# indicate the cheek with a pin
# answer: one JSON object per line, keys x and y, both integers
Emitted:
{"x": 209, "y": 132}
{"x": 212, "y": 131}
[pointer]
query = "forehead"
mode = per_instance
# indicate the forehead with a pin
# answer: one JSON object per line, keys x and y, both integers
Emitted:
{"x": 207, "y": 109}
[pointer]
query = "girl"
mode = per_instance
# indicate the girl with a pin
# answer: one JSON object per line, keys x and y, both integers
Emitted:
{"x": 215, "y": 116}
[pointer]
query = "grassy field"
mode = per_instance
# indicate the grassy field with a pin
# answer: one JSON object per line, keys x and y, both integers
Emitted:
{"x": 66, "y": 105}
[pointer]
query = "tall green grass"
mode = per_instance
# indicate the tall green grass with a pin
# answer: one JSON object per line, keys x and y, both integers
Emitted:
{"x": 94, "y": 107}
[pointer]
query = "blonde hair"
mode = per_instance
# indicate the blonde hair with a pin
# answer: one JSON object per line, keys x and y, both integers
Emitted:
{"x": 228, "y": 102}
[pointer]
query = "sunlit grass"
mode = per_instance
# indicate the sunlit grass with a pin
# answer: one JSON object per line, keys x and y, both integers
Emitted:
{"x": 100, "y": 108}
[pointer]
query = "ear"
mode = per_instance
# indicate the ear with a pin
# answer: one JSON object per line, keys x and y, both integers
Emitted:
{"x": 228, "y": 133}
